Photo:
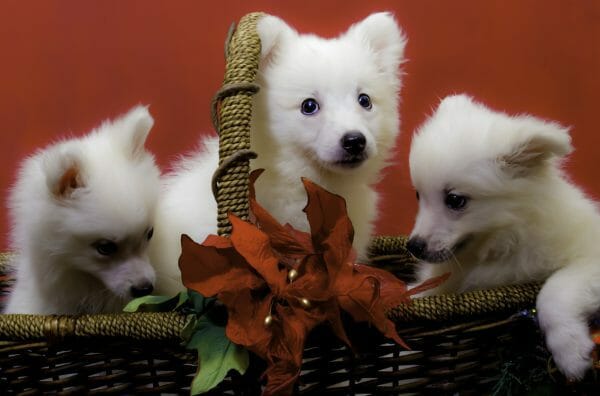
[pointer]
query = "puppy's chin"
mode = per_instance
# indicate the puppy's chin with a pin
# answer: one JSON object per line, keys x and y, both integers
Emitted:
{"x": 119, "y": 294}
{"x": 352, "y": 161}
{"x": 345, "y": 163}
{"x": 437, "y": 256}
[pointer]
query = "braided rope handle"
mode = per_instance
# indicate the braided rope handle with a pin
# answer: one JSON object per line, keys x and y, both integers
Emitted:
{"x": 232, "y": 121}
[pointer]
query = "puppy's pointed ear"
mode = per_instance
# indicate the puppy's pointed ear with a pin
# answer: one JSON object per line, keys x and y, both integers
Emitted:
{"x": 133, "y": 128}
{"x": 381, "y": 33}
{"x": 272, "y": 32}
{"x": 63, "y": 173}
{"x": 538, "y": 142}
{"x": 68, "y": 182}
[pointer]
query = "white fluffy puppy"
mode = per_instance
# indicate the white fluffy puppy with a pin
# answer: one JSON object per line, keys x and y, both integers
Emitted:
{"x": 82, "y": 213}
{"x": 327, "y": 110}
{"x": 495, "y": 208}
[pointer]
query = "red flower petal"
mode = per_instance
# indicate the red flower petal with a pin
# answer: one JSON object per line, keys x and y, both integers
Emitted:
{"x": 330, "y": 226}
{"x": 281, "y": 377}
{"x": 363, "y": 297}
{"x": 250, "y": 275}
{"x": 246, "y": 320}
{"x": 334, "y": 318}
{"x": 210, "y": 270}
{"x": 326, "y": 213}
{"x": 283, "y": 238}
{"x": 254, "y": 246}
{"x": 286, "y": 347}
{"x": 373, "y": 291}
{"x": 304, "y": 239}
{"x": 217, "y": 241}
{"x": 312, "y": 282}
{"x": 429, "y": 284}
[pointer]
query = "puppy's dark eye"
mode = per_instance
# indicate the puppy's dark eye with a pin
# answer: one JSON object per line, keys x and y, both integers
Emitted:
{"x": 455, "y": 201}
{"x": 105, "y": 247}
{"x": 150, "y": 233}
{"x": 365, "y": 101}
{"x": 309, "y": 107}
{"x": 418, "y": 197}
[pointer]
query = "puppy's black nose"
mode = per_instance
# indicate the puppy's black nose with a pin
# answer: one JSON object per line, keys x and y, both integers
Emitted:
{"x": 416, "y": 246}
{"x": 141, "y": 290}
{"x": 354, "y": 142}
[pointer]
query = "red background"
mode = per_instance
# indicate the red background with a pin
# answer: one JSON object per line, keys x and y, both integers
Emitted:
{"x": 67, "y": 65}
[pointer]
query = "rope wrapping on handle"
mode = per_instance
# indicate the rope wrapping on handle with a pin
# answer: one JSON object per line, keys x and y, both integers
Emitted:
{"x": 234, "y": 121}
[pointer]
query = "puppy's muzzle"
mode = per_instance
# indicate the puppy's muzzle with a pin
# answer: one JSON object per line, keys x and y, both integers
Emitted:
{"x": 417, "y": 247}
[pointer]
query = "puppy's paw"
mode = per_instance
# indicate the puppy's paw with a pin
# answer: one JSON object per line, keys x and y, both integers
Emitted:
{"x": 571, "y": 347}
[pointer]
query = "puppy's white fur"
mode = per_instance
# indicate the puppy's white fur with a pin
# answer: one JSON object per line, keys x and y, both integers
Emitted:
{"x": 522, "y": 219}
{"x": 290, "y": 144}
{"x": 72, "y": 197}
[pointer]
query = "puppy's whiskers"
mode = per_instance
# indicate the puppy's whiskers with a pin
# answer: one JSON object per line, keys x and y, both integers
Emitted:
{"x": 457, "y": 261}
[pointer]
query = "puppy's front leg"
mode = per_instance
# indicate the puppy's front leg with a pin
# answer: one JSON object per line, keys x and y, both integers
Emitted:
{"x": 565, "y": 303}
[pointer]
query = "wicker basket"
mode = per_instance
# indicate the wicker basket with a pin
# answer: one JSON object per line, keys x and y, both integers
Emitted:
{"x": 461, "y": 344}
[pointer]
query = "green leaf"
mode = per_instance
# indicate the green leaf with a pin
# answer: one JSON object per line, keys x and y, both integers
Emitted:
{"x": 199, "y": 302}
{"x": 183, "y": 298}
{"x": 156, "y": 303}
{"x": 217, "y": 355}
{"x": 190, "y": 327}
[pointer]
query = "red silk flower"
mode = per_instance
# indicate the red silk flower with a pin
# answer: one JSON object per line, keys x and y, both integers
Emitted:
{"x": 278, "y": 283}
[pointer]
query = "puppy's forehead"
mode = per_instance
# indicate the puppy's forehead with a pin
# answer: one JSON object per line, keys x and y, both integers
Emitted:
{"x": 310, "y": 65}
{"x": 441, "y": 159}
{"x": 334, "y": 59}
{"x": 457, "y": 133}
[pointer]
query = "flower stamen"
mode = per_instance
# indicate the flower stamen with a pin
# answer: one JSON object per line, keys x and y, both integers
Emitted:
{"x": 292, "y": 275}
{"x": 305, "y": 303}
{"x": 268, "y": 320}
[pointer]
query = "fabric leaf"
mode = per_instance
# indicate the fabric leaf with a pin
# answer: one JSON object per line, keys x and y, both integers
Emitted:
{"x": 210, "y": 270}
{"x": 278, "y": 283}
{"x": 286, "y": 347}
{"x": 331, "y": 229}
{"x": 282, "y": 237}
{"x": 217, "y": 356}
{"x": 190, "y": 327}
{"x": 327, "y": 214}
{"x": 156, "y": 303}
{"x": 199, "y": 302}
{"x": 429, "y": 284}
{"x": 246, "y": 321}
{"x": 312, "y": 281}
{"x": 254, "y": 245}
